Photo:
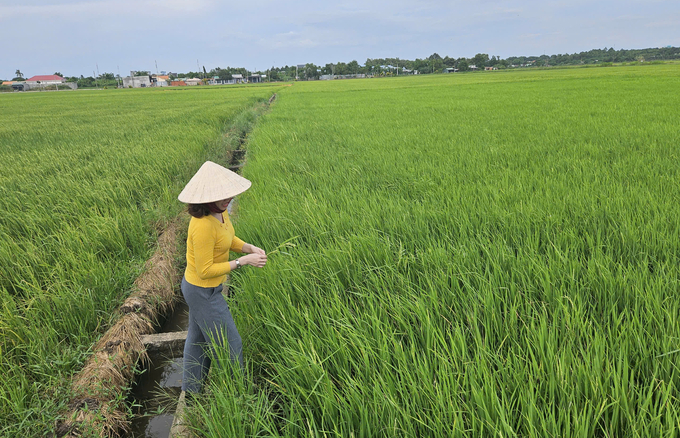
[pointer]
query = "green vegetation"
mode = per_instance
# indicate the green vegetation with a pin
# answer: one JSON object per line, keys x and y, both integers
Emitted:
{"x": 461, "y": 255}
{"x": 87, "y": 177}
{"x": 452, "y": 255}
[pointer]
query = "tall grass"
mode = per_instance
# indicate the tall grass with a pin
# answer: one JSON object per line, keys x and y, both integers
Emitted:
{"x": 463, "y": 255}
{"x": 86, "y": 178}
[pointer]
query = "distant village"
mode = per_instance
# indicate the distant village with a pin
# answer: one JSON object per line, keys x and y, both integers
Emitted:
{"x": 163, "y": 80}
{"x": 54, "y": 82}
{"x": 351, "y": 70}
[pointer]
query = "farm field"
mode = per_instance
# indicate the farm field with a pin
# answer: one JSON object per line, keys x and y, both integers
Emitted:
{"x": 86, "y": 179}
{"x": 461, "y": 255}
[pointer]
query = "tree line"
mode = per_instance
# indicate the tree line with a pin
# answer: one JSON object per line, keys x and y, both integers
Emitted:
{"x": 395, "y": 66}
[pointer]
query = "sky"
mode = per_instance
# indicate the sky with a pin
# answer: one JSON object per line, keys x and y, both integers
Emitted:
{"x": 83, "y": 37}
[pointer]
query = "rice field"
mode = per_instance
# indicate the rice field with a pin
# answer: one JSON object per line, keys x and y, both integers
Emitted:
{"x": 451, "y": 255}
{"x": 461, "y": 255}
{"x": 86, "y": 180}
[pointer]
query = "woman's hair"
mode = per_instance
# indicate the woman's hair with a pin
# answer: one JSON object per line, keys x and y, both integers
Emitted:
{"x": 198, "y": 210}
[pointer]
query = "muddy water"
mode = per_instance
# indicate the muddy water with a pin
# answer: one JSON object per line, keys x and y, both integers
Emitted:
{"x": 154, "y": 396}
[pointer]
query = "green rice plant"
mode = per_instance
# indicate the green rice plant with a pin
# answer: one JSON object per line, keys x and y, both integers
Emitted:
{"x": 87, "y": 179}
{"x": 475, "y": 255}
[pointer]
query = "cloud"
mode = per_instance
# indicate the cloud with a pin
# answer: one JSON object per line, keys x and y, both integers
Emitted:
{"x": 673, "y": 23}
{"x": 75, "y": 11}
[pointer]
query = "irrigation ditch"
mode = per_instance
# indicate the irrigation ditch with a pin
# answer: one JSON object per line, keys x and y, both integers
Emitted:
{"x": 131, "y": 384}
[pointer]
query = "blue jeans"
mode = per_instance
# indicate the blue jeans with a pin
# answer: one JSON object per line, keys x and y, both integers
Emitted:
{"x": 209, "y": 319}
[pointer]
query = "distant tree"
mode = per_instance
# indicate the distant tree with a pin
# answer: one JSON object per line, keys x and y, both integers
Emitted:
{"x": 273, "y": 74}
{"x": 86, "y": 82}
{"x": 436, "y": 63}
{"x": 420, "y": 65}
{"x": 463, "y": 64}
{"x": 141, "y": 73}
{"x": 353, "y": 67}
{"x": 480, "y": 60}
{"x": 19, "y": 74}
{"x": 341, "y": 68}
{"x": 56, "y": 73}
{"x": 222, "y": 73}
{"x": 310, "y": 71}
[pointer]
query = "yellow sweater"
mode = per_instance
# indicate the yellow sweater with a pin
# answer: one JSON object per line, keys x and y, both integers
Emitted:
{"x": 208, "y": 245}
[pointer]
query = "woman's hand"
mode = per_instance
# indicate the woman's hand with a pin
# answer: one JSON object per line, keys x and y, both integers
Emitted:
{"x": 252, "y": 249}
{"x": 255, "y": 259}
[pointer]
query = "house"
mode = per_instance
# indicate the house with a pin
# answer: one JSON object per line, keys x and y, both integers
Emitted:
{"x": 178, "y": 84}
{"x": 193, "y": 81}
{"x": 472, "y": 67}
{"x": 160, "y": 80}
{"x": 237, "y": 79}
{"x": 45, "y": 80}
{"x": 450, "y": 70}
{"x": 490, "y": 68}
{"x": 254, "y": 78}
{"x": 137, "y": 81}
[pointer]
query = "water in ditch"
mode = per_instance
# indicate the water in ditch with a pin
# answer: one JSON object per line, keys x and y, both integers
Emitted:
{"x": 154, "y": 396}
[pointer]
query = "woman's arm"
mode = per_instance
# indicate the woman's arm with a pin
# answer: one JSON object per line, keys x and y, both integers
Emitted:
{"x": 256, "y": 257}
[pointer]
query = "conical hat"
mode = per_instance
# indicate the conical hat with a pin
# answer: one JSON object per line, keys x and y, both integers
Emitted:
{"x": 212, "y": 183}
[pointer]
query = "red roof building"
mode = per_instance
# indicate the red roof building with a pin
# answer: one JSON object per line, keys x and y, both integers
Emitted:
{"x": 46, "y": 79}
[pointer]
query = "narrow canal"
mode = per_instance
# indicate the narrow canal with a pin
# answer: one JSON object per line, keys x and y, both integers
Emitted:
{"x": 154, "y": 395}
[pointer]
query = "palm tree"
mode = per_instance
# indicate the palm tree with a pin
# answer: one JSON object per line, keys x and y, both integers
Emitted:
{"x": 19, "y": 74}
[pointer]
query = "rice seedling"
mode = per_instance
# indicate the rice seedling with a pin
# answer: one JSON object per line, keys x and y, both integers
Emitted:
{"x": 87, "y": 177}
{"x": 475, "y": 255}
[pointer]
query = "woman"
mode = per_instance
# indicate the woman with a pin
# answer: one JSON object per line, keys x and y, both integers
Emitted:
{"x": 210, "y": 238}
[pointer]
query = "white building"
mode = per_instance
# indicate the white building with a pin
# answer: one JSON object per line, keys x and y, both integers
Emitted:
{"x": 136, "y": 81}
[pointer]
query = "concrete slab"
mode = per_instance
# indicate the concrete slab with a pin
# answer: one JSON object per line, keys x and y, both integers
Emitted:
{"x": 171, "y": 343}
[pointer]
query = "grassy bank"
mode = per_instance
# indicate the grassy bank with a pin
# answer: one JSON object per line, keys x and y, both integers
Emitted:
{"x": 461, "y": 255}
{"x": 87, "y": 177}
